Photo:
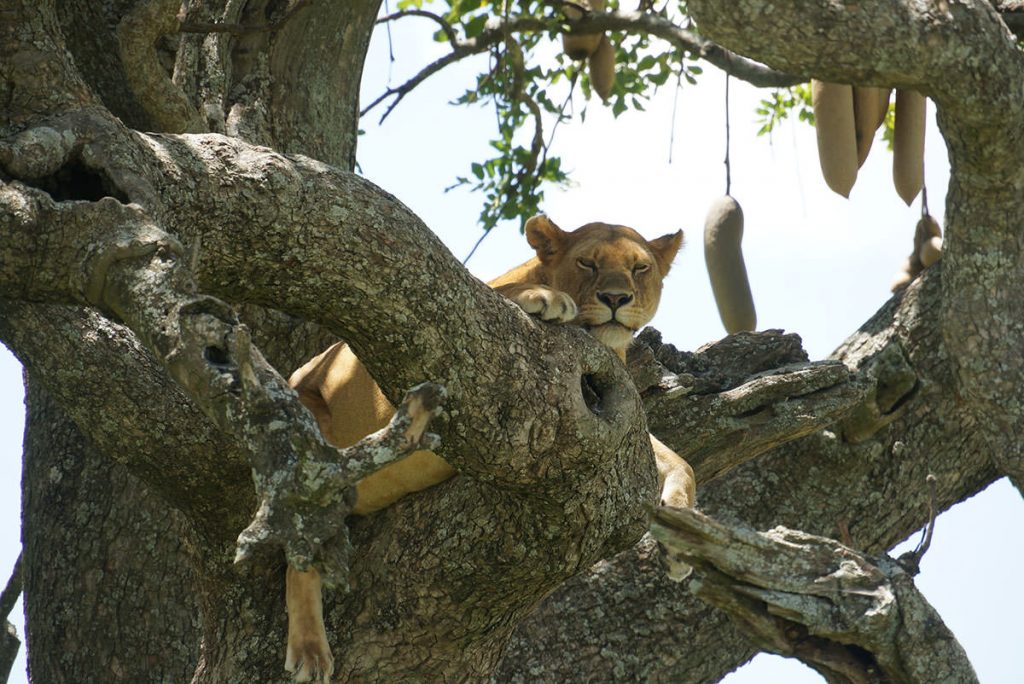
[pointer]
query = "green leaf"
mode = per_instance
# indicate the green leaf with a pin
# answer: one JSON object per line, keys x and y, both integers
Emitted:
{"x": 475, "y": 26}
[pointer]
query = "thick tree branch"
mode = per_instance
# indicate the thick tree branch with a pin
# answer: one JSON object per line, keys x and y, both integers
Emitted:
{"x": 732, "y": 63}
{"x": 962, "y": 56}
{"x": 179, "y": 454}
{"x": 446, "y": 27}
{"x": 164, "y": 101}
{"x": 731, "y": 401}
{"x": 374, "y": 297}
{"x": 851, "y": 617}
{"x": 139, "y": 274}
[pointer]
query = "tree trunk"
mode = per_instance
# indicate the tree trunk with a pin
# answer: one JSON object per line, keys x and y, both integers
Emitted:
{"x": 93, "y": 213}
{"x": 154, "y": 627}
{"x": 134, "y": 588}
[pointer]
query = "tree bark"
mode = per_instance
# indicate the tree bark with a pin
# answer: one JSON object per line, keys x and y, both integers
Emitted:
{"x": 867, "y": 475}
{"x": 441, "y": 580}
{"x": 850, "y": 617}
{"x": 164, "y": 643}
{"x": 132, "y": 583}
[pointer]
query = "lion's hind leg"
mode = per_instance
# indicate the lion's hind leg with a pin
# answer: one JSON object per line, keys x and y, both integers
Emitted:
{"x": 308, "y": 658}
{"x": 678, "y": 489}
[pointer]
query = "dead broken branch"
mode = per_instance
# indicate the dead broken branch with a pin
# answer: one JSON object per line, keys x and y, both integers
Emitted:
{"x": 850, "y": 616}
{"x": 735, "y": 399}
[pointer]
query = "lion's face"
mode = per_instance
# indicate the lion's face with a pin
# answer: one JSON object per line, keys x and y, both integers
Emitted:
{"x": 612, "y": 273}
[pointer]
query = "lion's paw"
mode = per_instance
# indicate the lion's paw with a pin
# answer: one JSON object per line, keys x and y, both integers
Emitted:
{"x": 309, "y": 658}
{"x": 547, "y": 304}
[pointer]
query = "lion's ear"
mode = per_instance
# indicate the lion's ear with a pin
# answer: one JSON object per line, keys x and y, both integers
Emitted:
{"x": 545, "y": 237}
{"x": 665, "y": 249}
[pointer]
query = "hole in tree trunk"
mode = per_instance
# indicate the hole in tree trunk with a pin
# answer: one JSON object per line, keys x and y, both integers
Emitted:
{"x": 592, "y": 393}
{"x": 76, "y": 181}
{"x": 217, "y": 357}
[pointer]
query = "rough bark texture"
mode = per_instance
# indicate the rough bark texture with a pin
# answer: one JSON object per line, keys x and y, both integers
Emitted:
{"x": 74, "y": 583}
{"x": 852, "y": 618}
{"x": 875, "y": 487}
{"x": 93, "y": 211}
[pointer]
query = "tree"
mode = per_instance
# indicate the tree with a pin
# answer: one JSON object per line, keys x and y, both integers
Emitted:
{"x": 106, "y": 229}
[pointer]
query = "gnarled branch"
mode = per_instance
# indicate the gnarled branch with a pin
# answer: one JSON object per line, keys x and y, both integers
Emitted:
{"x": 851, "y": 617}
{"x": 162, "y": 99}
{"x": 732, "y": 400}
{"x": 130, "y": 268}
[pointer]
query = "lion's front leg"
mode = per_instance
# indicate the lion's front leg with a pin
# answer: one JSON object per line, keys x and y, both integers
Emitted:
{"x": 308, "y": 657}
{"x": 542, "y": 301}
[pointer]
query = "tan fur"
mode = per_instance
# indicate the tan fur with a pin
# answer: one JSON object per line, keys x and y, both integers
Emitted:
{"x": 606, "y": 278}
{"x": 309, "y": 656}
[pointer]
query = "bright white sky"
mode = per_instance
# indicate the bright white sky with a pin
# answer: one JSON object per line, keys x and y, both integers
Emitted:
{"x": 819, "y": 265}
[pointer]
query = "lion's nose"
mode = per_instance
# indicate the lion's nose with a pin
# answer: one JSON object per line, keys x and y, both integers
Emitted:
{"x": 614, "y": 300}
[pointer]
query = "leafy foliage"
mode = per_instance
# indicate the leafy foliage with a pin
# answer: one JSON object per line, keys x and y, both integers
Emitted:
{"x": 783, "y": 101}
{"x": 532, "y": 86}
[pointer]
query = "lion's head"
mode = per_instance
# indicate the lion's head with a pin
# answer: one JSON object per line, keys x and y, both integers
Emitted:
{"x": 612, "y": 273}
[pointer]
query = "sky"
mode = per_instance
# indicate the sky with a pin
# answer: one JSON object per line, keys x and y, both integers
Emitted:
{"x": 819, "y": 265}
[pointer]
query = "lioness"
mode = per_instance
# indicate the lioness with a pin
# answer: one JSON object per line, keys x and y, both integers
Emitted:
{"x": 605, "y": 278}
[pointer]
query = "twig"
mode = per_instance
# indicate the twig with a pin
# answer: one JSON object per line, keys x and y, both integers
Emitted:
{"x": 911, "y": 560}
{"x": 630, "y": 22}
{"x": 675, "y": 106}
{"x": 476, "y": 244}
{"x": 9, "y": 642}
{"x": 401, "y": 91}
{"x": 242, "y": 29}
{"x": 728, "y": 164}
{"x": 561, "y": 110}
{"x": 449, "y": 30}
{"x": 13, "y": 589}
{"x": 391, "y": 45}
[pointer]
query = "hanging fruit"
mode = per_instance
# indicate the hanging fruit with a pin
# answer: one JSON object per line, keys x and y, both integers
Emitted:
{"x": 870, "y": 105}
{"x": 837, "y": 134}
{"x": 927, "y": 250}
{"x": 723, "y": 233}
{"x": 602, "y": 68}
{"x": 908, "y": 144}
{"x": 579, "y": 46}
